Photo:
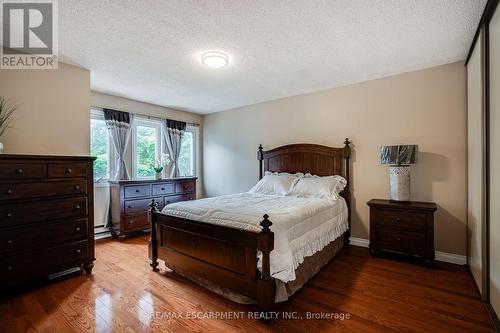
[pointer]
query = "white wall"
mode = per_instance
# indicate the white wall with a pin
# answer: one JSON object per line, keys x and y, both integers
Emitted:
{"x": 425, "y": 107}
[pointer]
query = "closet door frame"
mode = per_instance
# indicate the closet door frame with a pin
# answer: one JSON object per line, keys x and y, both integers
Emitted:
{"x": 488, "y": 13}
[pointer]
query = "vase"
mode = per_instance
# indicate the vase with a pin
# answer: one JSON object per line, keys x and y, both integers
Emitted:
{"x": 1, "y": 148}
{"x": 158, "y": 176}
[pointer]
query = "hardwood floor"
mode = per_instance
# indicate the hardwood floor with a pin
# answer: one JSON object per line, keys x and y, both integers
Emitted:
{"x": 124, "y": 295}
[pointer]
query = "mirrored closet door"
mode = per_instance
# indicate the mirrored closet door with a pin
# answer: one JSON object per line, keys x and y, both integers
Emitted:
{"x": 494, "y": 160}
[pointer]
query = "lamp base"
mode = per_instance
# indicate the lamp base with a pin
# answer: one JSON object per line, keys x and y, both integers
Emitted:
{"x": 399, "y": 176}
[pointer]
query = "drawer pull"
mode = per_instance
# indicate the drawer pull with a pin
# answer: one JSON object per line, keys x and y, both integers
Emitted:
{"x": 190, "y": 198}
{"x": 131, "y": 222}
{"x": 78, "y": 229}
{"x": 19, "y": 171}
{"x": 168, "y": 201}
{"x": 163, "y": 189}
{"x": 9, "y": 191}
{"x": 10, "y": 242}
{"x": 398, "y": 219}
{"x": 129, "y": 206}
{"x": 185, "y": 187}
{"x": 9, "y": 214}
{"x": 76, "y": 188}
{"x": 10, "y": 268}
{"x": 68, "y": 171}
{"x": 78, "y": 251}
{"x": 137, "y": 191}
{"x": 398, "y": 239}
{"x": 77, "y": 206}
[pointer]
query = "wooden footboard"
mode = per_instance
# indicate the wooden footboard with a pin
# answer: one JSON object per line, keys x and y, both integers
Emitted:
{"x": 225, "y": 256}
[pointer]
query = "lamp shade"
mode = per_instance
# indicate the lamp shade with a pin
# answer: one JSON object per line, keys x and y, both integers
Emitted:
{"x": 403, "y": 154}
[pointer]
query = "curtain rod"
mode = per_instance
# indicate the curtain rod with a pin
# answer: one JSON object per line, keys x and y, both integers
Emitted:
{"x": 144, "y": 115}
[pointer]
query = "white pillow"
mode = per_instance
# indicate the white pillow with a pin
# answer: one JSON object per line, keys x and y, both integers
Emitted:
{"x": 318, "y": 187}
{"x": 275, "y": 184}
{"x": 298, "y": 174}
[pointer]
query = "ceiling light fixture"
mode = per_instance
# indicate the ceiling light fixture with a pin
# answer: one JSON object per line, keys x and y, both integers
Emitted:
{"x": 215, "y": 59}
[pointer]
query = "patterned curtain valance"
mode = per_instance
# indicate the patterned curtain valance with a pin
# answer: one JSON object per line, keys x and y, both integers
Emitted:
{"x": 116, "y": 117}
{"x": 176, "y": 125}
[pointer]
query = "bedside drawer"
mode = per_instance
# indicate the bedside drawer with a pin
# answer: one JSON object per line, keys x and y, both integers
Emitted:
{"x": 136, "y": 222}
{"x": 141, "y": 205}
{"x": 400, "y": 219}
{"x": 23, "y": 213}
{"x": 43, "y": 235}
{"x": 21, "y": 171}
{"x": 67, "y": 170}
{"x": 42, "y": 189}
{"x": 184, "y": 187}
{"x": 136, "y": 191}
{"x": 413, "y": 243}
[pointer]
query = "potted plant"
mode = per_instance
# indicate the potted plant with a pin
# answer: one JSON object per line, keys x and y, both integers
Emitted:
{"x": 158, "y": 168}
{"x": 6, "y": 111}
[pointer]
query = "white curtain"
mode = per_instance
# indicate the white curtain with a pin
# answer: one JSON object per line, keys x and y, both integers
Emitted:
{"x": 173, "y": 131}
{"x": 120, "y": 127}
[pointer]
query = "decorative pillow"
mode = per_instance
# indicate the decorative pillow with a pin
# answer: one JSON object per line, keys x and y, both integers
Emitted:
{"x": 275, "y": 184}
{"x": 318, "y": 187}
{"x": 298, "y": 174}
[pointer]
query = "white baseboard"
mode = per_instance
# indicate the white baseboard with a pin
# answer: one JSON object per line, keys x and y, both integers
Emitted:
{"x": 451, "y": 258}
{"x": 359, "y": 242}
{"x": 440, "y": 256}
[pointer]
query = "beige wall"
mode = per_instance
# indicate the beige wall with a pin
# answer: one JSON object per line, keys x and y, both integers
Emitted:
{"x": 129, "y": 105}
{"x": 495, "y": 161}
{"x": 54, "y": 115}
{"x": 476, "y": 162}
{"x": 426, "y": 107}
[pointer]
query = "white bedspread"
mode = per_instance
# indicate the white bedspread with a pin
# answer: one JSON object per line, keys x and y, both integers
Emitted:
{"x": 301, "y": 226}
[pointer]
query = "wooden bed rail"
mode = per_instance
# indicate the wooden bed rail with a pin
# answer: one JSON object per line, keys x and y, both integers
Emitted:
{"x": 222, "y": 255}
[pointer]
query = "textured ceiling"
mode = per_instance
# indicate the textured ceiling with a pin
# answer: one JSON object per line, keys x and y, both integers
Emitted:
{"x": 149, "y": 50}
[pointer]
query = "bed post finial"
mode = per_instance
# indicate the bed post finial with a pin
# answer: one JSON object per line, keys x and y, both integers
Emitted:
{"x": 260, "y": 157}
{"x": 266, "y": 224}
{"x": 153, "y": 246}
{"x": 346, "y": 154}
{"x": 265, "y": 284}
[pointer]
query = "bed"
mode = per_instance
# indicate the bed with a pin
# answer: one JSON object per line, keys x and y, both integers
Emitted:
{"x": 221, "y": 244}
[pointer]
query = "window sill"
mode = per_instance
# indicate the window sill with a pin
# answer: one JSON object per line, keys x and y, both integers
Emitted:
{"x": 101, "y": 184}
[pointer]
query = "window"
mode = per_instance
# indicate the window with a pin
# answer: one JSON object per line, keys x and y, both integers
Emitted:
{"x": 187, "y": 158}
{"x": 146, "y": 145}
{"x": 101, "y": 147}
{"x": 148, "y": 148}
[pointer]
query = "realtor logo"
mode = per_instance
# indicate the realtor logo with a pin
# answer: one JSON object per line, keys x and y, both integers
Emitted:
{"x": 29, "y": 34}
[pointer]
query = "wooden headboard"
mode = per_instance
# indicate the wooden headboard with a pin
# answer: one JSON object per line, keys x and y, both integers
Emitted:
{"x": 315, "y": 159}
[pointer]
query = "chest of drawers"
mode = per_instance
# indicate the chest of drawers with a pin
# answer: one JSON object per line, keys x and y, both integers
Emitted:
{"x": 46, "y": 216}
{"x": 130, "y": 201}
{"x": 406, "y": 228}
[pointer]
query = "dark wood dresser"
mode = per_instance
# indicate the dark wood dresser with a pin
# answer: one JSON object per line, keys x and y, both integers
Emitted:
{"x": 46, "y": 216}
{"x": 406, "y": 228}
{"x": 130, "y": 201}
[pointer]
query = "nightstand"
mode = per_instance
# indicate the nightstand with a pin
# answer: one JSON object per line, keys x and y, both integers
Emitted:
{"x": 406, "y": 228}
